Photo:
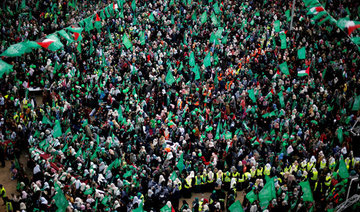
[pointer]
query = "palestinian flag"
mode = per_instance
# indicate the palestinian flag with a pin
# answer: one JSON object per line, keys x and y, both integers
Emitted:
{"x": 352, "y": 25}
{"x": 315, "y": 10}
{"x": 276, "y": 74}
{"x": 303, "y": 73}
{"x": 97, "y": 23}
{"x": 77, "y": 32}
{"x": 45, "y": 43}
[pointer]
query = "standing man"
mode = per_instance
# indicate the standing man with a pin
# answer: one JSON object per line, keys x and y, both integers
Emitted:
{"x": 3, "y": 194}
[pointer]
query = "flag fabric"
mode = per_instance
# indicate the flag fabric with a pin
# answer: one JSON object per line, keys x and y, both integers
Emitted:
{"x": 315, "y": 10}
{"x": 133, "y": 5}
{"x": 77, "y": 32}
{"x": 60, "y": 199}
{"x": 57, "y": 129}
{"x": 4, "y": 68}
{"x": 251, "y": 196}
{"x": 307, "y": 192}
{"x": 65, "y": 35}
{"x": 277, "y": 25}
{"x": 214, "y": 19}
{"x": 340, "y": 134}
{"x": 173, "y": 176}
{"x": 284, "y": 68}
{"x": 166, "y": 208}
{"x": 20, "y": 49}
{"x": 207, "y": 60}
{"x": 151, "y": 17}
{"x": 304, "y": 73}
{"x": 192, "y": 59}
{"x": 356, "y": 105}
{"x": 97, "y": 23}
{"x": 142, "y": 38}
{"x": 281, "y": 99}
{"x": 252, "y": 95}
{"x": 196, "y": 70}
{"x": 283, "y": 40}
{"x": 180, "y": 164}
{"x": 88, "y": 23}
{"x": 319, "y": 15}
{"x": 45, "y": 120}
{"x": 302, "y": 53}
{"x": 126, "y": 41}
{"x": 45, "y": 43}
{"x": 203, "y": 17}
{"x": 236, "y": 207}
{"x": 343, "y": 170}
{"x": 169, "y": 78}
{"x": 268, "y": 192}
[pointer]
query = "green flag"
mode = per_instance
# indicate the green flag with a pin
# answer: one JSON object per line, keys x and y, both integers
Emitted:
{"x": 192, "y": 59}
{"x": 88, "y": 23}
{"x": 340, "y": 134}
{"x": 60, "y": 199}
{"x": 45, "y": 120}
{"x": 166, "y": 208}
{"x": 142, "y": 38}
{"x": 216, "y": 8}
{"x": 236, "y": 207}
{"x": 307, "y": 193}
{"x": 283, "y": 40}
{"x": 284, "y": 68}
{"x": 251, "y": 196}
{"x": 151, "y": 17}
{"x": 196, "y": 70}
{"x": 20, "y": 49}
{"x": 268, "y": 192}
{"x": 281, "y": 99}
{"x": 127, "y": 43}
{"x": 252, "y": 95}
{"x": 180, "y": 164}
{"x": 203, "y": 17}
{"x": 23, "y": 4}
{"x": 169, "y": 78}
{"x": 173, "y": 176}
{"x": 277, "y": 25}
{"x": 343, "y": 170}
{"x": 302, "y": 53}
{"x": 76, "y": 32}
{"x": 207, "y": 60}
{"x": 88, "y": 191}
{"x": 214, "y": 19}
{"x": 356, "y": 105}
{"x": 57, "y": 129}
{"x": 56, "y": 44}
{"x": 4, "y": 68}
{"x": 133, "y": 5}
{"x": 97, "y": 23}
{"x": 63, "y": 34}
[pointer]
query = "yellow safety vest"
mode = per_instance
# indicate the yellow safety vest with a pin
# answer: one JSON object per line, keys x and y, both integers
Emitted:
{"x": 188, "y": 183}
{"x": 197, "y": 180}
{"x": 347, "y": 161}
{"x": 253, "y": 173}
{"x": 259, "y": 171}
{"x": 227, "y": 177}
{"x": 309, "y": 166}
{"x": 242, "y": 179}
{"x": 315, "y": 175}
{"x": 203, "y": 179}
{"x": 322, "y": 165}
{"x": 219, "y": 177}
{"x": 179, "y": 186}
{"x": 328, "y": 180}
{"x": 210, "y": 180}
{"x": 3, "y": 192}
{"x": 267, "y": 171}
{"x": 235, "y": 174}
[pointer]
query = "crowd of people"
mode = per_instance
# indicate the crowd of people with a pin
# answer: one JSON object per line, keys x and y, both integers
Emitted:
{"x": 171, "y": 98}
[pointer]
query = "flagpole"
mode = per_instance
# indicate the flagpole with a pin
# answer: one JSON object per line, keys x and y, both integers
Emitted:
{"x": 292, "y": 15}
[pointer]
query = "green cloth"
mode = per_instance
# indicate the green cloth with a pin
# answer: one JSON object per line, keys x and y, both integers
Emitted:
{"x": 180, "y": 164}
{"x": 142, "y": 38}
{"x": 207, "y": 60}
{"x": 236, "y": 207}
{"x": 88, "y": 23}
{"x": 4, "y": 68}
{"x": 283, "y": 40}
{"x": 340, "y": 134}
{"x": 268, "y": 192}
{"x": 307, "y": 192}
{"x": 20, "y": 49}
{"x": 169, "y": 78}
{"x": 166, "y": 208}
{"x": 203, "y": 18}
{"x": 277, "y": 25}
{"x": 343, "y": 171}
{"x": 356, "y": 105}
{"x": 63, "y": 34}
{"x": 192, "y": 59}
{"x": 252, "y": 95}
{"x": 251, "y": 196}
{"x": 302, "y": 53}
{"x": 60, "y": 199}
{"x": 126, "y": 41}
{"x": 284, "y": 68}
{"x": 196, "y": 70}
{"x": 57, "y": 129}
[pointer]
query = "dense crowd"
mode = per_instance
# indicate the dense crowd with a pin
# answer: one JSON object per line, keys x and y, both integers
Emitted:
{"x": 196, "y": 103}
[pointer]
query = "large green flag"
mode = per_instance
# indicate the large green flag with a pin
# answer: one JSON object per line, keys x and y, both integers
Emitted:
{"x": 60, "y": 199}
{"x": 307, "y": 193}
{"x": 284, "y": 68}
{"x": 142, "y": 38}
{"x": 319, "y": 15}
{"x": 133, "y": 5}
{"x": 216, "y": 8}
{"x": 192, "y": 59}
{"x": 169, "y": 78}
{"x": 277, "y": 25}
{"x": 252, "y": 95}
{"x": 77, "y": 32}
{"x": 340, "y": 134}
{"x": 97, "y": 23}
{"x": 45, "y": 120}
{"x": 166, "y": 208}
{"x": 196, "y": 70}
{"x": 173, "y": 176}
{"x": 203, "y": 17}
{"x": 356, "y": 105}
{"x": 4, "y": 68}
{"x": 140, "y": 208}
{"x": 207, "y": 60}
{"x": 214, "y": 19}
{"x": 281, "y": 99}
{"x": 88, "y": 23}
{"x": 302, "y": 53}
{"x": 57, "y": 129}
{"x": 343, "y": 170}
{"x": 268, "y": 192}
{"x": 65, "y": 35}
{"x": 20, "y": 49}
{"x": 126, "y": 41}
{"x": 236, "y": 207}
{"x": 283, "y": 40}
{"x": 251, "y": 196}
{"x": 180, "y": 164}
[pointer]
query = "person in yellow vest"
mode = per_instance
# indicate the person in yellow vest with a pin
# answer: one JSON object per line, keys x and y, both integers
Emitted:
{"x": 253, "y": 172}
{"x": 332, "y": 163}
{"x": 203, "y": 180}
{"x": 323, "y": 164}
{"x": 314, "y": 176}
{"x": 303, "y": 165}
{"x": 227, "y": 180}
{"x": 259, "y": 171}
{"x": 188, "y": 187}
{"x": 311, "y": 164}
{"x": 267, "y": 169}
{"x": 197, "y": 187}
{"x": 347, "y": 162}
{"x": 328, "y": 180}
{"x": 304, "y": 176}
{"x": 210, "y": 181}
{"x": 3, "y": 194}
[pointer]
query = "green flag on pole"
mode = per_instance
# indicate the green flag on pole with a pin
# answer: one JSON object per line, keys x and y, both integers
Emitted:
{"x": 277, "y": 25}
{"x": 180, "y": 164}
{"x": 203, "y": 17}
{"x": 207, "y": 60}
{"x": 192, "y": 59}
{"x": 252, "y": 95}
{"x": 57, "y": 129}
{"x": 307, "y": 192}
{"x": 169, "y": 78}
{"x": 356, "y": 105}
{"x": 127, "y": 43}
{"x": 4, "y": 68}
{"x": 283, "y": 40}
{"x": 236, "y": 207}
{"x": 142, "y": 38}
{"x": 343, "y": 170}
{"x": 251, "y": 196}
{"x": 284, "y": 68}
{"x": 60, "y": 199}
{"x": 302, "y": 53}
